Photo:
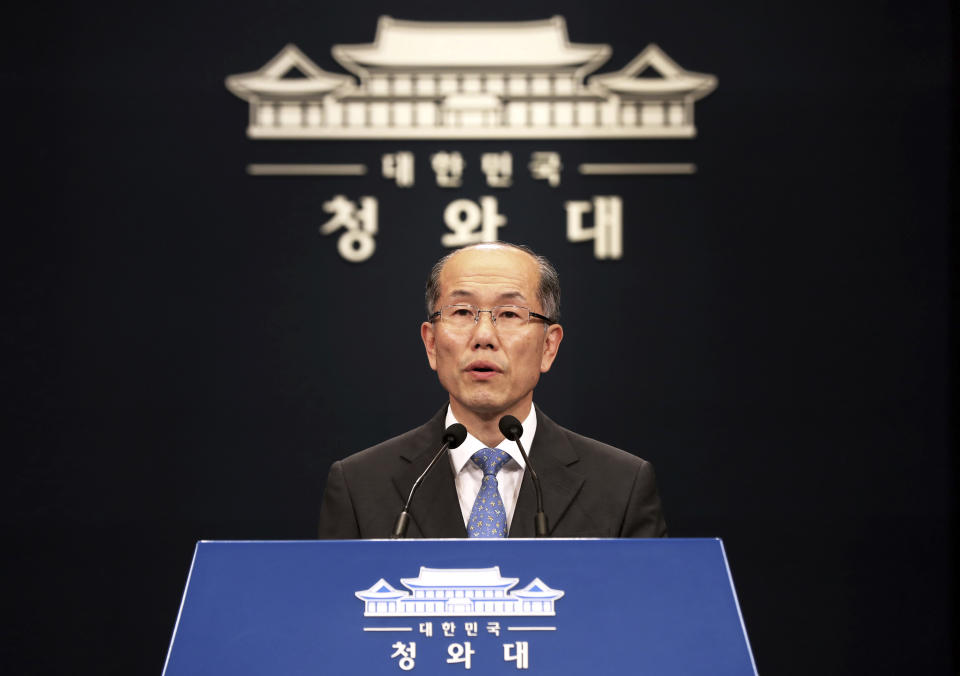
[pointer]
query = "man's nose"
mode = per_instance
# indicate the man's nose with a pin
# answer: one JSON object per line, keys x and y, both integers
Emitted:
{"x": 484, "y": 330}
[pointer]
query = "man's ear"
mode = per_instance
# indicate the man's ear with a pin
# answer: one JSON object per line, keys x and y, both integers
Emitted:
{"x": 429, "y": 338}
{"x": 551, "y": 344}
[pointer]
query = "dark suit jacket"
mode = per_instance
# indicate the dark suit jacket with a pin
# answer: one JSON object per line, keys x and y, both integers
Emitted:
{"x": 589, "y": 489}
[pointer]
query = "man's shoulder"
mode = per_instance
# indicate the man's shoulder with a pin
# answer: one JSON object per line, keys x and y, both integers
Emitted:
{"x": 604, "y": 452}
{"x": 592, "y": 450}
{"x": 409, "y": 444}
{"x": 617, "y": 490}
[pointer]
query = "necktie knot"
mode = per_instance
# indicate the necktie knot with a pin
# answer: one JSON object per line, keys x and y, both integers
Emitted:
{"x": 490, "y": 460}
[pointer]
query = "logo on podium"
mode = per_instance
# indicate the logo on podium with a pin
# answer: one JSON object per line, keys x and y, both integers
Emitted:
{"x": 453, "y": 592}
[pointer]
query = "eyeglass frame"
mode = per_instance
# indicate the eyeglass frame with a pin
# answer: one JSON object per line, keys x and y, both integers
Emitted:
{"x": 493, "y": 320}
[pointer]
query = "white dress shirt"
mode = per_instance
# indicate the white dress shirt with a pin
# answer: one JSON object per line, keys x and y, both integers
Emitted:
{"x": 469, "y": 476}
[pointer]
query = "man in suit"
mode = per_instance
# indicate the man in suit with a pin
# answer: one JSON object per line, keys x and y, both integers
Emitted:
{"x": 492, "y": 329}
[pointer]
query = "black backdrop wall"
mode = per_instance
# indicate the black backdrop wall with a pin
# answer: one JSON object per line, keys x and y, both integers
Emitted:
{"x": 188, "y": 353}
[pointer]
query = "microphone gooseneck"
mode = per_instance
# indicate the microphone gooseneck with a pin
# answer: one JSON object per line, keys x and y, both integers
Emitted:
{"x": 453, "y": 436}
{"x": 511, "y": 429}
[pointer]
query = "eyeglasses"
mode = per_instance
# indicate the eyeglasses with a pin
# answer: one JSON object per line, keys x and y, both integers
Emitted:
{"x": 463, "y": 316}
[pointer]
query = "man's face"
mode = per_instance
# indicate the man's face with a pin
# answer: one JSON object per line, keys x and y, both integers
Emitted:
{"x": 486, "y": 371}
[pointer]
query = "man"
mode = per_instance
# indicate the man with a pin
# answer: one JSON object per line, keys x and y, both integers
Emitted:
{"x": 491, "y": 331}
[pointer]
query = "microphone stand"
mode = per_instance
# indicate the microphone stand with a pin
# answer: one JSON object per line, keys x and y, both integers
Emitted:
{"x": 511, "y": 428}
{"x": 452, "y": 437}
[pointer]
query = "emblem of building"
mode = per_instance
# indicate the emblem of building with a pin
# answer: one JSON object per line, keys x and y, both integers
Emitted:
{"x": 471, "y": 80}
{"x": 445, "y": 592}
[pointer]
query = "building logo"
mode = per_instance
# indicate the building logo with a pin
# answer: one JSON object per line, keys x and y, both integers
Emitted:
{"x": 490, "y": 81}
{"x": 457, "y": 592}
{"x": 471, "y": 80}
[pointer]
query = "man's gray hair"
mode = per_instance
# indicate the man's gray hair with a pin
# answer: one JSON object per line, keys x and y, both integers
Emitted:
{"x": 548, "y": 289}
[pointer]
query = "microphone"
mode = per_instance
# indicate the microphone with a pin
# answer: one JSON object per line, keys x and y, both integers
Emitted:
{"x": 453, "y": 436}
{"x": 511, "y": 429}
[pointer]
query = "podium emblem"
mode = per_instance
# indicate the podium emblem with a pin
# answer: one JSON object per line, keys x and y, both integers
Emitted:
{"x": 453, "y": 592}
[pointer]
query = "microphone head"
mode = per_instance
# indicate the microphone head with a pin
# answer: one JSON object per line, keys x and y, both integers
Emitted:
{"x": 510, "y": 428}
{"x": 455, "y": 435}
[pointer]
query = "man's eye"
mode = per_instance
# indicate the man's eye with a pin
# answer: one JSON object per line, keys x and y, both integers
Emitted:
{"x": 460, "y": 312}
{"x": 508, "y": 315}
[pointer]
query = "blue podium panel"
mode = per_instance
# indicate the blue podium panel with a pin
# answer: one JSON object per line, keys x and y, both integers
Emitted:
{"x": 443, "y": 606}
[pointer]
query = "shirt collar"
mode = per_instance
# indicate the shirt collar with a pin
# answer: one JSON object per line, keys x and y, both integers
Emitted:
{"x": 460, "y": 455}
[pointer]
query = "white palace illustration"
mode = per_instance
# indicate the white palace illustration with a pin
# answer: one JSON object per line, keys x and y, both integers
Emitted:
{"x": 459, "y": 592}
{"x": 471, "y": 80}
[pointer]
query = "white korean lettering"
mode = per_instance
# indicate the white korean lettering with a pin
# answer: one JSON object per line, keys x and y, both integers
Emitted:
{"x": 460, "y": 653}
{"x": 518, "y": 652}
{"x": 471, "y": 222}
{"x": 356, "y": 243}
{"x": 399, "y": 167}
{"x": 448, "y": 168}
{"x": 407, "y": 652}
{"x": 471, "y": 628}
{"x": 607, "y": 230}
{"x": 498, "y": 168}
{"x": 426, "y": 628}
{"x": 546, "y": 166}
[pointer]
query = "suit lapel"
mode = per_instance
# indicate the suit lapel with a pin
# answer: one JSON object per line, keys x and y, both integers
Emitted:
{"x": 551, "y": 455}
{"x": 435, "y": 512}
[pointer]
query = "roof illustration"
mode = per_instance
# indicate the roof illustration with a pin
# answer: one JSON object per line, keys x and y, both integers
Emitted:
{"x": 515, "y": 44}
{"x": 271, "y": 78}
{"x": 459, "y": 577}
{"x": 380, "y": 590}
{"x": 537, "y": 590}
{"x": 672, "y": 79}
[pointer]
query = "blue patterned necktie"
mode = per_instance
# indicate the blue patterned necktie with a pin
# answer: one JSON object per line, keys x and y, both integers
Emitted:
{"x": 488, "y": 518}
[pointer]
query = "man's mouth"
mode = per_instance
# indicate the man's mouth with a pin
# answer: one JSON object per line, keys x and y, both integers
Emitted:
{"x": 482, "y": 369}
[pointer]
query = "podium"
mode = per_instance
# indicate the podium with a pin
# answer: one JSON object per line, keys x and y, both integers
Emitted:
{"x": 548, "y": 606}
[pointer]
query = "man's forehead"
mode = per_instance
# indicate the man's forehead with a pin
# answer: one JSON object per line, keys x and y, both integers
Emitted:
{"x": 471, "y": 293}
{"x": 501, "y": 271}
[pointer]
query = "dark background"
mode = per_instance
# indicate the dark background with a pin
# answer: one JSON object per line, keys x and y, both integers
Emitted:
{"x": 187, "y": 355}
